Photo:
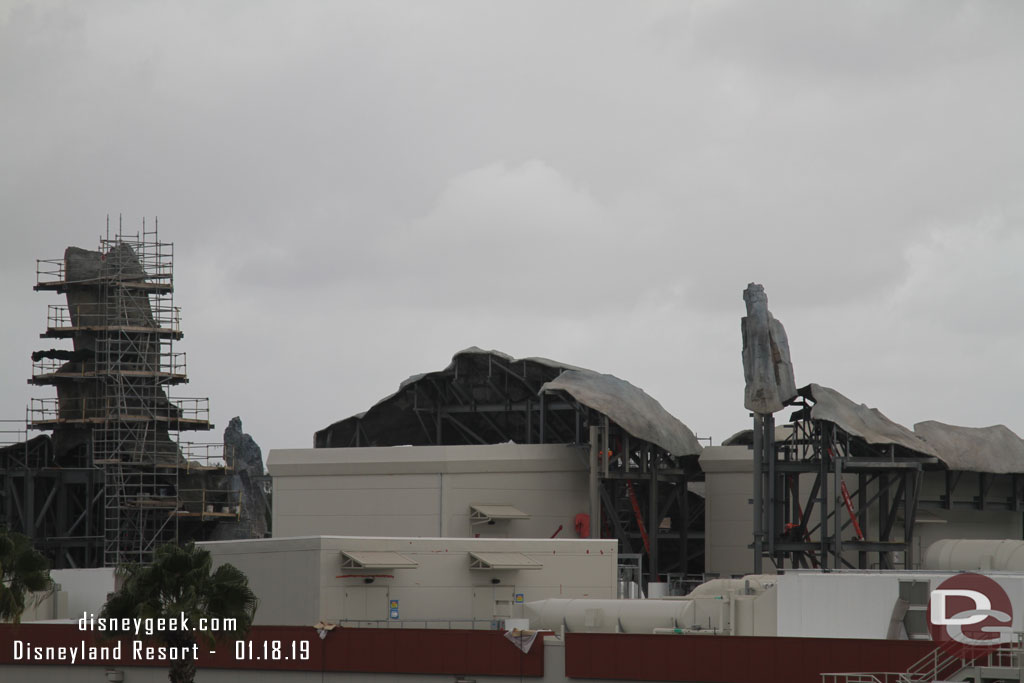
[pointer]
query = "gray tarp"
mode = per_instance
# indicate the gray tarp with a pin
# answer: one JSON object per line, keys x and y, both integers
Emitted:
{"x": 629, "y": 407}
{"x": 859, "y": 420}
{"x": 993, "y": 449}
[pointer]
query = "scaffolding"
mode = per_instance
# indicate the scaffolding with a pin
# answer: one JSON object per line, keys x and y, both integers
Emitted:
{"x": 113, "y": 414}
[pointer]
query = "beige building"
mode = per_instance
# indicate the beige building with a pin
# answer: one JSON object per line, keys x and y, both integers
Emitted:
{"x": 493, "y": 491}
{"x": 415, "y": 582}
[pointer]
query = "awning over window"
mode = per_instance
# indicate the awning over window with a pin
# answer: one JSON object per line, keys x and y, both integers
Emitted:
{"x": 375, "y": 559}
{"x": 502, "y": 561}
{"x": 480, "y": 513}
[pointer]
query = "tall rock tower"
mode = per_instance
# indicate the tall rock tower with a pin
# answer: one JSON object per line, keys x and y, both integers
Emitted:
{"x": 113, "y": 414}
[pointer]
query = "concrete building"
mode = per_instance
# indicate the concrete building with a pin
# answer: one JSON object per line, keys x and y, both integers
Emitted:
{"x": 415, "y": 582}
{"x": 491, "y": 491}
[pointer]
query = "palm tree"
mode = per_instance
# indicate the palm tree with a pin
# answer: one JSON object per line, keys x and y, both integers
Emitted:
{"x": 180, "y": 582}
{"x": 23, "y": 570}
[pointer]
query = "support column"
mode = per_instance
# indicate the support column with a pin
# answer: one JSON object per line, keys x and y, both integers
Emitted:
{"x": 758, "y": 493}
{"x": 773, "y": 526}
{"x": 593, "y": 483}
{"x": 684, "y": 542}
{"x": 837, "y": 519}
{"x": 823, "y": 499}
{"x": 653, "y": 521}
{"x": 884, "y": 557}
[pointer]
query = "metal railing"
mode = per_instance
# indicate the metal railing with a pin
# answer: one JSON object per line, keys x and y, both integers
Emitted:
{"x": 153, "y": 258}
{"x": 207, "y": 455}
{"x": 162, "y": 365}
{"x": 49, "y": 270}
{"x": 150, "y": 313}
{"x": 940, "y": 664}
{"x": 13, "y": 432}
{"x": 48, "y": 410}
{"x": 202, "y": 502}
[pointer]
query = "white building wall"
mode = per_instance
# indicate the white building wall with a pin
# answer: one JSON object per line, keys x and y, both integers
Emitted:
{"x": 859, "y": 604}
{"x": 729, "y": 516}
{"x": 300, "y": 581}
{"x": 427, "y": 490}
{"x": 87, "y": 589}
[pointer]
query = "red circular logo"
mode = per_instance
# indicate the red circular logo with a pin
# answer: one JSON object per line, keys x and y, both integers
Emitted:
{"x": 970, "y": 612}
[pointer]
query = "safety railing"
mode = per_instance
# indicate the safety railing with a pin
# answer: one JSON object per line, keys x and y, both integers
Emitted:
{"x": 940, "y": 664}
{"x": 209, "y": 503}
{"x": 192, "y": 409}
{"x": 13, "y": 432}
{"x": 156, "y": 258}
{"x": 45, "y": 410}
{"x": 49, "y": 271}
{"x": 205, "y": 456}
{"x": 145, "y": 259}
{"x": 165, "y": 365}
{"x": 150, "y": 313}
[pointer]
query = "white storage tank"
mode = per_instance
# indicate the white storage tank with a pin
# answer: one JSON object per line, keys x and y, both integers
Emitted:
{"x": 975, "y": 554}
{"x": 609, "y": 616}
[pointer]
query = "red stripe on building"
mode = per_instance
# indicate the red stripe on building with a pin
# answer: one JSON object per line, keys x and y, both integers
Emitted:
{"x": 731, "y": 659}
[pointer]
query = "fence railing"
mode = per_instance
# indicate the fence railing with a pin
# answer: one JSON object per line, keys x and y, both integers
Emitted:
{"x": 149, "y": 313}
{"x": 47, "y": 410}
{"x": 202, "y": 502}
{"x": 207, "y": 455}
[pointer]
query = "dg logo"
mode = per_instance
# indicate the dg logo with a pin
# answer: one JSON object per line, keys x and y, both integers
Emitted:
{"x": 970, "y": 611}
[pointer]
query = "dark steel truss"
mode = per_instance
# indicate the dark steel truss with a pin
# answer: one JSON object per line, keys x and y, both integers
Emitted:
{"x": 824, "y": 498}
{"x": 484, "y": 399}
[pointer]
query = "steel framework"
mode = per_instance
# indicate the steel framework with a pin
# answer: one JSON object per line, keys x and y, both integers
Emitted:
{"x": 804, "y": 511}
{"x": 115, "y": 428}
{"x": 644, "y": 495}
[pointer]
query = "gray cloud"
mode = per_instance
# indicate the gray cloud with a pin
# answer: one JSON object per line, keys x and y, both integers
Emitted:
{"x": 358, "y": 190}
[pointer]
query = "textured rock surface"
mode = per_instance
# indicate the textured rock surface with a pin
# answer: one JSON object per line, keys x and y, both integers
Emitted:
{"x": 247, "y": 477}
{"x": 767, "y": 368}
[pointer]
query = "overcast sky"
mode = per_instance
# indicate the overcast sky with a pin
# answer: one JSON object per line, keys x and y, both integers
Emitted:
{"x": 357, "y": 190}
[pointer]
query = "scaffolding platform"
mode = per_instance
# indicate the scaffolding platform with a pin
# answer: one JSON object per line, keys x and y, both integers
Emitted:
{"x": 112, "y": 387}
{"x": 64, "y": 321}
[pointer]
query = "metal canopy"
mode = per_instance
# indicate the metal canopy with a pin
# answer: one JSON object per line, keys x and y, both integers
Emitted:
{"x": 493, "y": 561}
{"x": 481, "y": 514}
{"x": 375, "y": 559}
